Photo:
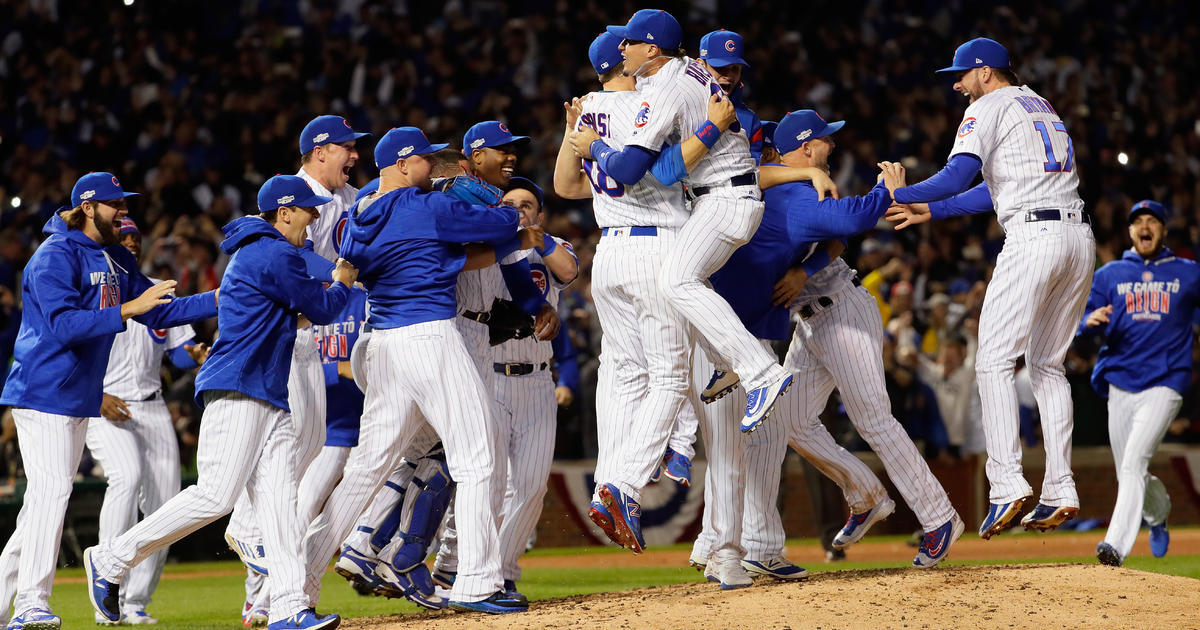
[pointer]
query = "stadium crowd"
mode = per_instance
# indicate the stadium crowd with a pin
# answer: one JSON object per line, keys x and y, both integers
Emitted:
{"x": 195, "y": 108}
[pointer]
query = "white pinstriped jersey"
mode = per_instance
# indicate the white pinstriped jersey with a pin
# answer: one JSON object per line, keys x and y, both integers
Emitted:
{"x": 675, "y": 104}
{"x": 477, "y": 288}
{"x": 612, "y": 116}
{"x": 321, "y": 231}
{"x": 836, "y": 276}
{"x": 136, "y": 358}
{"x": 529, "y": 349}
{"x": 1028, "y": 157}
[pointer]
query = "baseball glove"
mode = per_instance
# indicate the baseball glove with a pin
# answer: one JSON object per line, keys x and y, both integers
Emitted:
{"x": 508, "y": 321}
{"x": 470, "y": 189}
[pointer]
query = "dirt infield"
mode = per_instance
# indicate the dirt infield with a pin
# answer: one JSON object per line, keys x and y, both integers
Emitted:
{"x": 1017, "y": 596}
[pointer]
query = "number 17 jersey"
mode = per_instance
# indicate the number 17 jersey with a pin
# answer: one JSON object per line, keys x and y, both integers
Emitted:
{"x": 614, "y": 116}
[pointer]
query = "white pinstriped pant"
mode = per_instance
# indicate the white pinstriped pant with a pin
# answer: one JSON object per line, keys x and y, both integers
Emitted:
{"x": 1137, "y": 422}
{"x": 1034, "y": 302}
{"x": 245, "y": 444}
{"x": 643, "y": 360}
{"x": 319, "y": 480}
{"x": 721, "y": 222}
{"x": 51, "y": 446}
{"x": 418, "y": 372}
{"x": 140, "y": 457}
{"x": 528, "y": 415}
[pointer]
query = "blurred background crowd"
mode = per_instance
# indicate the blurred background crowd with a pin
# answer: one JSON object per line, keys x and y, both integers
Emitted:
{"x": 194, "y": 105}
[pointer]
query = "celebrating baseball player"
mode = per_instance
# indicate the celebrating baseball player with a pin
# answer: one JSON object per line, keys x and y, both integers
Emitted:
{"x": 1144, "y": 305}
{"x": 78, "y": 293}
{"x": 247, "y": 438}
{"x": 1039, "y": 289}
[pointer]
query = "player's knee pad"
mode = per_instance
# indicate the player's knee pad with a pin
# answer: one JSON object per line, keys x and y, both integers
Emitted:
{"x": 425, "y": 503}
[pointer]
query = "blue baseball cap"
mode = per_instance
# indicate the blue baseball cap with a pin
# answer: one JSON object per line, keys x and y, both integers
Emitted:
{"x": 489, "y": 133}
{"x": 1147, "y": 206}
{"x": 97, "y": 187}
{"x": 653, "y": 26}
{"x": 768, "y": 132}
{"x": 326, "y": 129}
{"x": 605, "y": 52}
{"x": 371, "y": 187}
{"x": 288, "y": 190}
{"x": 402, "y": 142}
{"x": 801, "y": 126}
{"x": 527, "y": 184}
{"x": 977, "y": 53}
{"x": 722, "y": 48}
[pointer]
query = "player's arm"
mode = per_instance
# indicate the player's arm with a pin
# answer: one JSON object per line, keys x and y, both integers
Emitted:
{"x": 570, "y": 182}
{"x": 61, "y": 305}
{"x": 792, "y": 283}
{"x": 770, "y": 175}
{"x": 1099, "y": 308}
{"x": 317, "y": 265}
{"x": 289, "y": 285}
{"x": 182, "y": 350}
{"x": 566, "y": 360}
{"x": 560, "y": 259}
{"x": 976, "y": 200}
{"x": 953, "y": 179}
{"x": 166, "y": 311}
{"x": 811, "y": 220}
{"x": 676, "y": 161}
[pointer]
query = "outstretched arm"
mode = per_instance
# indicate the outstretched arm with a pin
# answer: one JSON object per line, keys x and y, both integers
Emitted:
{"x": 570, "y": 182}
{"x": 951, "y": 180}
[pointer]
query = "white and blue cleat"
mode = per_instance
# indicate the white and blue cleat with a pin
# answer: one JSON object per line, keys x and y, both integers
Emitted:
{"x": 720, "y": 385}
{"x": 1160, "y": 539}
{"x": 307, "y": 619}
{"x": 857, "y": 525}
{"x": 761, "y": 401}
{"x": 1000, "y": 517}
{"x": 35, "y": 619}
{"x": 105, "y": 595}
{"x": 935, "y": 545}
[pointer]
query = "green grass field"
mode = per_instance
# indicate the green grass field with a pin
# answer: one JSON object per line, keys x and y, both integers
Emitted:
{"x": 188, "y": 599}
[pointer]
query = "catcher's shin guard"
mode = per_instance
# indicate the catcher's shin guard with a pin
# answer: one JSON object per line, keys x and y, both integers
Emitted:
{"x": 425, "y": 502}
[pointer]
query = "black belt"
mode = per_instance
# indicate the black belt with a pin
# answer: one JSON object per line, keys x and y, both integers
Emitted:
{"x": 808, "y": 311}
{"x": 153, "y": 396}
{"x": 1053, "y": 215}
{"x": 746, "y": 179}
{"x": 518, "y": 369}
{"x": 482, "y": 318}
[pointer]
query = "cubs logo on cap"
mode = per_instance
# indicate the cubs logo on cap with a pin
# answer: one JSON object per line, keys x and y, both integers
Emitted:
{"x": 489, "y": 133}
{"x": 325, "y": 130}
{"x": 722, "y": 48}
{"x": 288, "y": 190}
{"x": 97, "y": 187}
{"x": 1148, "y": 206}
{"x": 801, "y": 126}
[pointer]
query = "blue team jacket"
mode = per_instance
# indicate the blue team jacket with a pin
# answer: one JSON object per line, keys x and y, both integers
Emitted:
{"x": 263, "y": 288}
{"x": 1148, "y": 339}
{"x": 344, "y": 400}
{"x": 72, "y": 312}
{"x": 408, "y": 247}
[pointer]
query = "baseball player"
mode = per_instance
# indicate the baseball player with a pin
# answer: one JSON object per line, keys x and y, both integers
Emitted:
{"x": 524, "y": 390}
{"x": 1144, "y": 305}
{"x": 409, "y": 241}
{"x": 722, "y": 188}
{"x": 247, "y": 439}
{"x": 1039, "y": 289}
{"x": 78, "y": 294}
{"x": 721, "y": 54}
{"x": 135, "y": 441}
{"x": 327, "y": 154}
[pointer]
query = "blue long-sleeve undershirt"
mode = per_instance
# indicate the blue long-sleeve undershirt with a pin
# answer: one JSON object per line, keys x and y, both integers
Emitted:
{"x": 976, "y": 200}
{"x": 180, "y": 358}
{"x": 627, "y": 166}
{"x": 954, "y": 178}
{"x": 518, "y": 277}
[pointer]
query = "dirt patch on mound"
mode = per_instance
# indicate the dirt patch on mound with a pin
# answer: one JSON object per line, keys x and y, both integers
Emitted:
{"x": 1018, "y": 596}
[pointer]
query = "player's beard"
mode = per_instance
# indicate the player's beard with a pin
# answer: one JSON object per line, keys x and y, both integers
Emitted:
{"x": 107, "y": 230}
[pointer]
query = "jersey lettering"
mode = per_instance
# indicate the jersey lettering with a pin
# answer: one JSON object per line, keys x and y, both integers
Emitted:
{"x": 601, "y": 182}
{"x": 697, "y": 72}
{"x": 1052, "y": 163}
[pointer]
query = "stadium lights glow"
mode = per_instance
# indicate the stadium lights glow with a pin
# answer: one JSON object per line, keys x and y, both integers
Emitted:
{"x": 1123, "y": 158}
{"x": 16, "y": 202}
{"x": 128, "y": 3}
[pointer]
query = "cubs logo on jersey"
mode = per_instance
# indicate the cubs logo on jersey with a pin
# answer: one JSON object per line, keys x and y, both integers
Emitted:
{"x": 540, "y": 278}
{"x": 158, "y": 335}
{"x": 967, "y": 127}
{"x": 643, "y": 116}
{"x": 339, "y": 230}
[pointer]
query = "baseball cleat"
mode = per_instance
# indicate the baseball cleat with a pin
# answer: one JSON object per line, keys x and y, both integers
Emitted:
{"x": 510, "y": 588}
{"x": 719, "y": 386}
{"x": 729, "y": 572}
{"x": 255, "y": 617}
{"x": 679, "y": 469}
{"x": 415, "y": 585}
{"x": 935, "y": 546}
{"x": 778, "y": 567}
{"x": 100, "y": 621}
{"x": 627, "y": 517}
{"x": 253, "y": 556}
{"x": 604, "y": 520}
{"x": 761, "y": 401}
{"x": 307, "y": 619}
{"x": 1045, "y": 518}
{"x": 698, "y": 561}
{"x": 658, "y": 471}
{"x": 361, "y": 571}
{"x": 138, "y": 617}
{"x": 36, "y": 619}
{"x": 858, "y": 524}
{"x": 1000, "y": 517}
{"x": 444, "y": 577}
{"x": 1107, "y": 554}
{"x": 1160, "y": 539}
{"x": 500, "y": 603}
{"x": 105, "y": 595}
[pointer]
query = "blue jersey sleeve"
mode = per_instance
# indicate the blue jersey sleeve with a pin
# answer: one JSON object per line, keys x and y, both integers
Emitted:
{"x": 460, "y": 222}
{"x": 316, "y": 265}
{"x": 288, "y": 284}
{"x": 181, "y": 359}
{"x": 809, "y": 220}
{"x": 669, "y": 167}
{"x": 566, "y": 358}
{"x": 1097, "y": 298}
{"x": 951, "y": 180}
{"x": 627, "y": 166}
{"x": 61, "y": 304}
{"x": 976, "y": 200}
{"x": 815, "y": 263}
{"x": 518, "y": 277}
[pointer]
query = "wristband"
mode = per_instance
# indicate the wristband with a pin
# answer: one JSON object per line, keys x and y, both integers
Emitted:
{"x": 601, "y": 151}
{"x": 708, "y": 133}
{"x": 548, "y": 245}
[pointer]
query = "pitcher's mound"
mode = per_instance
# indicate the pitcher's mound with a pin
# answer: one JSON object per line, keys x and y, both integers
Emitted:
{"x": 1040, "y": 596}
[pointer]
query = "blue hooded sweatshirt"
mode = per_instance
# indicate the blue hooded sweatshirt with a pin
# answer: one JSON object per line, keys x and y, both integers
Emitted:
{"x": 72, "y": 292}
{"x": 263, "y": 288}
{"x": 408, "y": 246}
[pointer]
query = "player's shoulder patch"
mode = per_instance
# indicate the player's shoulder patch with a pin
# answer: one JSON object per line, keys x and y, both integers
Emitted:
{"x": 968, "y": 125}
{"x": 643, "y": 115}
{"x": 158, "y": 335}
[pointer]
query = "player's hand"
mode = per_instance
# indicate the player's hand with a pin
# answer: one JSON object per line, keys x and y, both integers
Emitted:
{"x": 345, "y": 273}
{"x": 573, "y": 109}
{"x": 198, "y": 352}
{"x": 532, "y": 236}
{"x": 581, "y": 140}
{"x": 546, "y": 324}
{"x": 789, "y": 286}
{"x": 114, "y": 409}
{"x": 154, "y": 296}
{"x": 1099, "y": 316}
{"x": 345, "y": 371}
{"x": 563, "y": 396}
{"x": 893, "y": 176}
{"x": 721, "y": 112}
{"x": 824, "y": 184}
{"x": 906, "y": 214}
